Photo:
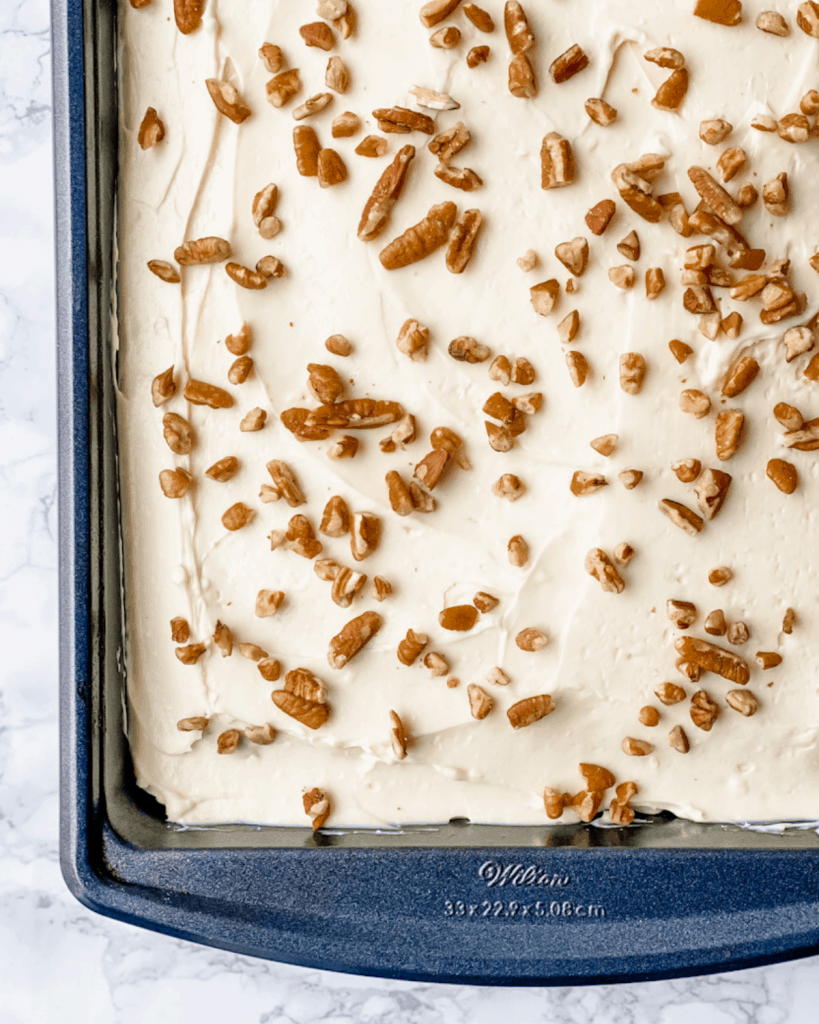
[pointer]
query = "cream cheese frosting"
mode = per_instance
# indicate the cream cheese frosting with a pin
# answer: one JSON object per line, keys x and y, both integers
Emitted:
{"x": 607, "y": 652}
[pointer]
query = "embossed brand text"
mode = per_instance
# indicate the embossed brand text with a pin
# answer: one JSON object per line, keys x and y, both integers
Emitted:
{"x": 495, "y": 873}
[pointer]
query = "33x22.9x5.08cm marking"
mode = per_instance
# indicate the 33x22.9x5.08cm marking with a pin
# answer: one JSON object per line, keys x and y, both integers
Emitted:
{"x": 513, "y": 908}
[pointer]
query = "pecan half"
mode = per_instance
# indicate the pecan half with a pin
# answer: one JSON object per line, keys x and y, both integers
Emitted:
{"x": 421, "y": 240}
{"x": 227, "y": 100}
{"x": 458, "y": 618}
{"x": 307, "y": 148}
{"x": 352, "y": 638}
{"x": 530, "y": 710}
{"x": 463, "y": 240}
{"x": 401, "y": 121}
{"x": 312, "y": 713}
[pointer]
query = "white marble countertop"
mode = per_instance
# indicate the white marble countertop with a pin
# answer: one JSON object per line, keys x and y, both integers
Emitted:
{"x": 59, "y": 961}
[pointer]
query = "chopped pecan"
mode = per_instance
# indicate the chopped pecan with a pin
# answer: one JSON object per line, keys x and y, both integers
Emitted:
{"x": 522, "y": 80}
{"x": 704, "y": 710}
{"x": 446, "y": 38}
{"x": 413, "y": 340}
{"x": 178, "y": 434}
{"x": 318, "y": 34}
{"x": 740, "y": 376}
{"x": 553, "y": 803}
{"x": 655, "y": 282}
{"x": 262, "y": 735}
{"x": 175, "y": 482}
{"x": 520, "y": 36}
{"x": 312, "y": 713}
{"x": 586, "y": 483}
{"x": 798, "y": 340}
{"x": 480, "y": 703}
{"x": 264, "y": 208}
{"x": 468, "y": 350}
{"x": 728, "y": 433}
{"x": 398, "y": 737}
{"x": 331, "y": 168}
{"x": 670, "y": 693}
{"x": 712, "y": 490}
{"x": 436, "y": 10}
{"x": 600, "y": 112}
{"x": 313, "y": 105}
{"x": 623, "y": 277}
{"x": 557, "y": 162}
{"x": 722, "y": 12}
{"x": 338, "y": 345}
{"x": 578, "y": 368}
{"x": 568, "y": 64}
{"x": 245, "y": 277}
{"x": 648, "y": 716}
{"x": 806, "y": 438}
{"x": 671, "y": 93}
{"x": 448, "y": 143}
{"x": 352, "y": 638}
{"x": 630, "y": 246}
{"x": 317, "y": 806}
{"x": 529, "y": 404}
{"x": 253, "y": 421}
{"x": 337, "y": 77}
{"x": 401, "y": 121}
{"x": 789, "y": 621}
{"x": 497, "y": 677}
{"x": 632, "y": 372}
{"x": 720, "y": 576}
{"x": 624, "y": 553}
{"x": 411, "y": 647}
{"x": 789, "y": 416}
{"x": 518, "y": 551}
{"x": 687, "y": 470}
{"x": 152, "y": 130}
{"x": 768, "y": 659}
{"x": 598, "y": 564}
{"x": 436, "y": 663}
{"x": 324, "y": 383}
{"x": 268, "y": 602}
{"x": 163, "y": 387}
{"x": 463, "y": 240}
{"x": 365, "y": 533}
{"x": 807, "y": 18}
{"x": 574, "y": 255}
{"x": 776, "y": 195}
{"x": 283, "y": 87}
{"x": 188, "y": 15}
{"x": 180, "y": 630}
{"x": 783, "y": 474}
{"x": 715, "y": 624}
{"x": 530, "y": 710}
{"x": 630, "y": 478}
{"x": 433, "y": 100}
{"x": 711, "y": 658}
{"x": 731, "y": 163}
{"x": 599, "y": 216}
{"x": 345, "y": 125}
{"x": 286, "y": 483}
{"x": 164, "y": 271}
{"x": 422, "y": 501}
{"x": 307, "y": 148}
{"x": 678, "y": 740}
{"x": 545, "y": 296}
{"x": 431, "y": 468}
{"x": 203, "y": 250}
{"x": 458, "y": 618}
{"x": 794, "y": 128}
{"x": 399, "y": 494}
{"x": 272, "y": 58}
{"x": 421, "y": 240}
{"x": 227, "y": 100}
{"x": 477, "y": 55}
{"x": 715, "y": 196}
{"x": 715, "y": 131}
{"x": 681, "y": 613}
{"x": 636, "y": 748}
{"x": 665, "y": 57}
{"x": 196, "y": 724}
{"x": 237, "y": 517}
{"x": 228, "y": 741}
{"x": 742, "y": 701}
{"x": 695, "y": 402}
{"x": 485, "y": 602}
{"x": 605, "y": 445}
{"x": 681, "y": 516}
{"x": 345, "y": 447}
{"x": 531, "y": 639}
{"x": 773, "y": 23}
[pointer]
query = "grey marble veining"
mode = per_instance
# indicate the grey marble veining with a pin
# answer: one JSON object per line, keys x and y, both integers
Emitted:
{"x": 57, "y": 960}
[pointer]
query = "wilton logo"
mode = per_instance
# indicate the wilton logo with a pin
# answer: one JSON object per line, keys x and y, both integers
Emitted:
{"x": 495, "y": 873}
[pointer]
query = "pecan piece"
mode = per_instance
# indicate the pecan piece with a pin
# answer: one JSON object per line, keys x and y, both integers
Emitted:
{"x": 773, "y": 23}
{"x": 283, "y": 87}
{"x": 318, "y": 34}
{"x": 163, "y": 387}
{"x": 728, "y": 433}
{"x": 665, "y": 57}
{"x": 268, "y": 603}
{"x": 413, "y": 340}
{"x": 312, "y": 713}
{"x": 188, "y": 15}
{"x": 605, "y": 445}
{"x": 807, "y": 18}
{"x": 421, "y": 240}
{"x": 711, "y": 658}
{"x": 352, "y": 638}
{"x": 365, "y": 533}
{"x": 445, "y": 38}
{"x": 670, "y": 95}
{"x": 345, "y": 125}
{"x": 197, "y": 392}
{"x": 545, "y": 296}
{"x": 715, "y": 131}
{"x": 480, "y": 703}
{"x": 458, "y": 618}
{"x": 578, "y": 368}
{"x": 152, "y": 130}
{"x": 518, "y": 551}
{"x": 599, "y": 216}
{"x": 463, "y": 240}
{"x": 574, "y": 255}
{"x": 670, "y": 693}
{"x": 721, "y": 12}
{"x": 245, "y": 277}
{"x": 636, "y": 748}
{"x": 681, "y": 613}
{"x": 401, "y": 121}
{"x": 347, "y": 584}
{"x": 557, "y": 162}
{"x": 789, "y": 416}
{"x": 783, "y": 474}
{"x": 464, "y": 179}
{"x": 712, "y": 490}
{"x": 598, "y": 564}
{"x": 237, "y": 517}
{"x": 522, "y": 80}
{"x": 196, "y": 724}
{"x": 531, "y": 639}
{"x": 385, "y": 195}
{"x": 742, "y": 701}
{"x": 446, "y": 439}
{"x": 227, "y": 100}
{"x": 586, "y": 483}
{"x": 253, "y": 421}
{"x": 678, "y": 740}
{"x": 715, "y": 196}
{"x": 530, "y": 710}
{"x": 286, "y": 483}
{"x": 695, "y": 402}
{"x": 331, "y": 168}
{"x": 411, "y": 647}
{"x": 337, "y": 77}
{"x": 630, "y": 478}
{"x": 468, "y": 350}
{"x": 181, "y": 631}
{"x": 431, "y": 468}
{"x": 399, "y": 494}
{"x": 178, "y": 434}
{"x": 202, "y": 250}
{"x": 436, "y": 10}
{"x": 806, "y": 438}
{"x": 568, "y": 64}
{"x": 301, "y": 538}
{"x": 228, "y": 741}
{"x": 313, "y": 105}
{"x": 164, "y": 271}
{"x": 272, "y": 58}
{"x": 600, "y": 112}
{"x": 477, "y": 55}
{"x": 317, "y": 807}
{"x": 776, "y": 195}
{"x": 448, "y": 143}
{"x": 632, "y": 372}
{"x": 308, "y": 149}
{"x": 681, "y": 516}
{"x": 715, "y": 624}
{"x": 740, "y": 376}
{"x": 704, "y": 710}
{"x": 520, "y": 36}
{"x": 324, "y": 383}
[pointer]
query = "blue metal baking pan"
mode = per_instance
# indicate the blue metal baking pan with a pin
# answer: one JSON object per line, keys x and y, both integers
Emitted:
{"x": 458, "y": 903}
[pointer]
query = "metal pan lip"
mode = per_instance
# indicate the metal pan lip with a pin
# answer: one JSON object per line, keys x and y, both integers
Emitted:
{"x": 346, "y": 902}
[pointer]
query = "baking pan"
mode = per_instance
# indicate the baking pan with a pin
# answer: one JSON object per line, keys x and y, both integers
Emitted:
{"x": 459, "y": 902}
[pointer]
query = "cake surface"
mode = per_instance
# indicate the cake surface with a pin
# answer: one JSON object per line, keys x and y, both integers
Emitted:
{"x": 613, "y": 638}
